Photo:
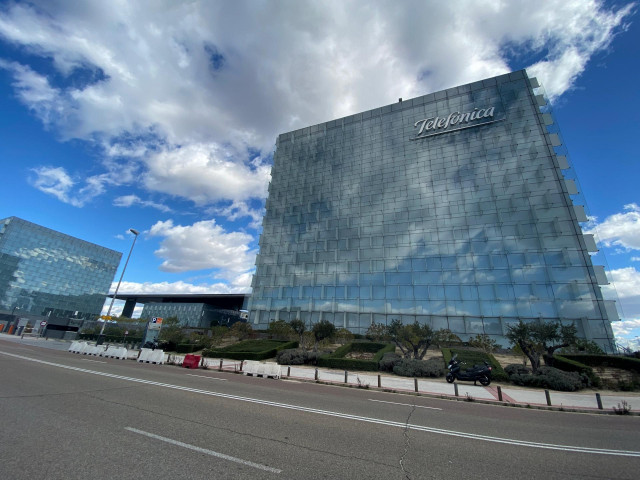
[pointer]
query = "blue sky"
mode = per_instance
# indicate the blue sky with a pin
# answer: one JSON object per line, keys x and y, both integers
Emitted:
{"x": 162, "y": 116}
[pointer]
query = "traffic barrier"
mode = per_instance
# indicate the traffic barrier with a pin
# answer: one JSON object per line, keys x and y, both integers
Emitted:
{"x": 191, "y": 361}
{"x": 78, "y": 347}
{"x": 253, "y": 367}
{"x": 94, "y": 349}
{"x": 151, "y": 356}
{"x": 115, "y": 352}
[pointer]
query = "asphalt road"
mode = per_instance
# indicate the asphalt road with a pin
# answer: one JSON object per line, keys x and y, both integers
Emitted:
{"x": 64, "y": 416}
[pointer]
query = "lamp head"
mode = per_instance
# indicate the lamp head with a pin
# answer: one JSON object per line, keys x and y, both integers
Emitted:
{"x": 134, "y": 231}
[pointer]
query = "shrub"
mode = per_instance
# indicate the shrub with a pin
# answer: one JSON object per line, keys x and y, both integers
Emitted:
{"x": 250, "y": 350}
{"x": 615, "y": 361}
{"x": 409, "y": 367}
{"x": 518, "y": 369}
{"x": 388, "y": 361}
{"x": 551, "y": 378}
{"x": 568, "y": 365}
{"x": 337, "y": 360}
{"x": 294, "y": 356}
{"x": 187, "y": 348}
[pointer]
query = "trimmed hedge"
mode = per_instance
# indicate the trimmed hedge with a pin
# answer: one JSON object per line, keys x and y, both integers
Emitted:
{"x": 475, "y": 357}
{"x": 337, "y": 360}
{"x": 250, "y": 350}
{"x": 568, "y": 365}
{"x": 187, "y": 348}
{"x": 614, "y": 361}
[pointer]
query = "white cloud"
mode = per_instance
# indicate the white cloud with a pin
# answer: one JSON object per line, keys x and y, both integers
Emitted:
{"x": 189, "y": 88}
{"x": 206, "y": 174}
{"x": 204, "y": 245}
{"x": 131, "y": 200}
{"x": 620, "y": 229}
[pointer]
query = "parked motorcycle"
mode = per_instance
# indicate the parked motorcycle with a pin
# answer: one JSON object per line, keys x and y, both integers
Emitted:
{"x": 479, "y": 373}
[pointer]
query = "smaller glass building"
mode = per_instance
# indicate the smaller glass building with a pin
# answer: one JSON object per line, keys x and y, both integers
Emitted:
{"x": 192, "y": 315}
{"x": 45, "y": 272}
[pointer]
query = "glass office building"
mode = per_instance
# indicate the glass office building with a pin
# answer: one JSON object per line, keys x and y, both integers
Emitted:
{"x": 48, "y": 273}
{"x": 192, "y": 315}
{"x": 454, "y": 209}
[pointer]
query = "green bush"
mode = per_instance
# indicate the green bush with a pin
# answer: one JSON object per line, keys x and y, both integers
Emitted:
{"x": 295, "y": 356}
{"x": 250, "y": 350}
{"x": 551, "y": 378}
{"x": 186, "y": 348}
{"x": 475, "y": 357}
{"x": 388, "y": 361}
{"x": 337, "y": 360}
{"x": 568, "y": 365}
{"x": 409, "y": 367}
{"x": 516, "y": 369}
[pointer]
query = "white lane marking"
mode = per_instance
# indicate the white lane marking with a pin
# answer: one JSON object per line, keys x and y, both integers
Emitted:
{"x": 405, "y": 404}
{"x": 94, "y": 361}
{"x": 204, "y": 376}
{"x": 204, "y": 450}
{"x": 452, "y": 433}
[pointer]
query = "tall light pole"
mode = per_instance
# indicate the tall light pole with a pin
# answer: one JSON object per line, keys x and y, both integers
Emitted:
{"x": 113, "y": 299}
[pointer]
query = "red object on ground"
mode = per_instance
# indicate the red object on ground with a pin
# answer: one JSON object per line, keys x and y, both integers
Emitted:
{"x": 191, "y": 361}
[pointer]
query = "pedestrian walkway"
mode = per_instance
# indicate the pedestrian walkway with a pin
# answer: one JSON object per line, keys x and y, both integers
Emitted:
{"x": 585, "y": 400}
{"x": 510, "y": 395}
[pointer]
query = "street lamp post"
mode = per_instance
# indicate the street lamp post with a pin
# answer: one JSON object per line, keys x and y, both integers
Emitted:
{"x": 113, "y": 299}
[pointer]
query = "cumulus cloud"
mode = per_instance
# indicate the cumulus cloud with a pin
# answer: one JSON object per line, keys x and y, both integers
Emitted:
{"x": 204, "y": 245}
{"x": 620, "y": 229}
{"x": 189, "y": 89}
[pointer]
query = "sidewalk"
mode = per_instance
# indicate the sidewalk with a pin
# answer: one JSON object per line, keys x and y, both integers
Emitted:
{"x": 511, "y": 395}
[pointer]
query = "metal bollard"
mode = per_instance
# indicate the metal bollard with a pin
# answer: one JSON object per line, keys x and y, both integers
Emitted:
{"x": 241, "y": 363}
{"x": 345, "y": 376}
{"x": 546, "y": 394}
{"x": 499, "y": 393}
{"x": 415, "y": 384}
{"x": 220, "y": 367}
{"x": 455, "y": 387}
{"x": 316, "y": 374}
{"x": 599, "y": 400}
{"x": 288, "y": 371}
{"x": 379, "y": 382}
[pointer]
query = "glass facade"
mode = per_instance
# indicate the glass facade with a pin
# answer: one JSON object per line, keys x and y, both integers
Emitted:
{"x": 194, "y": 315}
{"x": 451, "y": 209}
{"x": 44, "y": 272}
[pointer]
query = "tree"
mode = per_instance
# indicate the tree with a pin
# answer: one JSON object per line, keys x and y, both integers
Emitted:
{"x": 445, "y": 337}
{"x": 299, "y": 328}
{"x": 413, "y": 340}
{"x": 241, "y": 330}
{"x": 280, "y": 329}
{"x": 541, "y": 338}
{"x": 322, "y": 330}
{"x": 171, "y": 331}
{"x": 343, "y": 336}
{"x": 377, "y": 332}
{"x": 483, "y": 342}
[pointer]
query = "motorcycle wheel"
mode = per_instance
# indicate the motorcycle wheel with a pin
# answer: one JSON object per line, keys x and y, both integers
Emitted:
{"x": 484, "y": 380}
{"x": 450, "y": 378}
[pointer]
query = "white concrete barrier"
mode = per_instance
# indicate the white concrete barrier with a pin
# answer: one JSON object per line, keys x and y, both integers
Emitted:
{"x": 151, "y": 356}
{"x": 115, "y": 352}
{"x": 253, "y": 367}
{"x": 94, "y": 349}
{"x": 78, "y": 347}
